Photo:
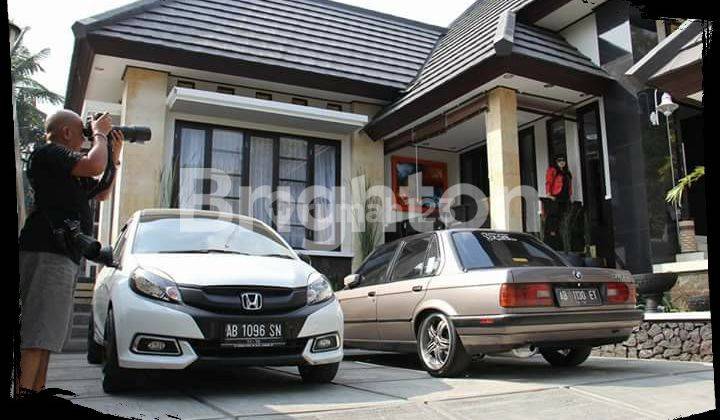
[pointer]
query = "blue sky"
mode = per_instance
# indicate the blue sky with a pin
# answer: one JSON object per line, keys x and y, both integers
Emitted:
{"x": 50, "y": 23}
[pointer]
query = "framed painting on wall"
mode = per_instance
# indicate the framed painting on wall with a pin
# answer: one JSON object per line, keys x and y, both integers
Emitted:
{"x": 434, "y": 183}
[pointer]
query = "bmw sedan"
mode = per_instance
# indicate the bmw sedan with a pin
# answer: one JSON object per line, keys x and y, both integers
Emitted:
{"x": 205, "y": 288}
{"x": 450, "y": 295}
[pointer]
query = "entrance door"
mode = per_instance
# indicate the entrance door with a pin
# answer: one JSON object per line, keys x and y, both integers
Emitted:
{"x": 474, "y": 171}
{"x": 592, "y": 162}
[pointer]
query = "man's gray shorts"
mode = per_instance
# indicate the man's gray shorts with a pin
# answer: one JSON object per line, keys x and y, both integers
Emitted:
{"x": 47, "y": 286}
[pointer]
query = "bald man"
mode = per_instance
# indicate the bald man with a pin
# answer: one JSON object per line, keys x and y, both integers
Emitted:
{"x": 62, "y": 179}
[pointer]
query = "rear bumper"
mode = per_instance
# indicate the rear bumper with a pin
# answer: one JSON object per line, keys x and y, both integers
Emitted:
{"x": 485, "y": 334}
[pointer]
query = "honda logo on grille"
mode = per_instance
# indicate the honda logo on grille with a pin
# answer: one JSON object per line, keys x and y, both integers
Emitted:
{"x": 251, "y": 301}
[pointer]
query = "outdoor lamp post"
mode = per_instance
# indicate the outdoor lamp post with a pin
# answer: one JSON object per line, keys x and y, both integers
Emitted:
{"x": 667, "y": 107}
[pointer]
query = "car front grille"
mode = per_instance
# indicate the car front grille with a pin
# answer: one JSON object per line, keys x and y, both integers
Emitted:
{"x": 213, "y": 348}
{"x": 226, "y": 299}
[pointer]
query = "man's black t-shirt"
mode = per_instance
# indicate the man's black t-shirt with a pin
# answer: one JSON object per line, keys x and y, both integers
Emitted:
{"x": 58, "y": 196}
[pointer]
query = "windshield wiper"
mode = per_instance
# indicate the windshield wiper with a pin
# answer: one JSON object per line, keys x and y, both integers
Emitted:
{"x": 204, "y": 251}
{"x": 275, "y": 255}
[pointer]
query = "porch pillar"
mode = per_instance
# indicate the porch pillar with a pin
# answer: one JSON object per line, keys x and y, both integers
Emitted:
{"x": 503, "y": 159}
{"x": 137, "y": 185}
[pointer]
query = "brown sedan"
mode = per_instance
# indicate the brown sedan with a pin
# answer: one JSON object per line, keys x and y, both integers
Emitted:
{"x": 449, "y": 295}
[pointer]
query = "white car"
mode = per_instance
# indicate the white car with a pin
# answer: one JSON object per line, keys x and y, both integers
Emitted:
{"x": 206, "y": 288}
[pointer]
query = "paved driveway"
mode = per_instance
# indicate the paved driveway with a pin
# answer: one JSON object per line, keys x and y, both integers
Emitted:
{"x": 392, "y": 386}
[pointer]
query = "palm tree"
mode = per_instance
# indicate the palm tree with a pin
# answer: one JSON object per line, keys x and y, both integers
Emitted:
{"x": 23, "y": 66}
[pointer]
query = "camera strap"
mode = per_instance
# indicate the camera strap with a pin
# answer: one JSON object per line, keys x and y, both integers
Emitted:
{"x": 108, "y": 176}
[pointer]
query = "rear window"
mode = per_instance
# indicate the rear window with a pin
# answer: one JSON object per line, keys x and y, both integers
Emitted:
{"x": 478, "y": 249}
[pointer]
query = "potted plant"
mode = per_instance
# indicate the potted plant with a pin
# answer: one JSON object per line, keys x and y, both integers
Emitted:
{"x": 686, "y": 225}
{"x": 590, "y": 259}
{"x": 652, "y": 287}
{"x": 699, "y": 303}
{"x": 369, "y": 232}
{"x": 567, "y": 227}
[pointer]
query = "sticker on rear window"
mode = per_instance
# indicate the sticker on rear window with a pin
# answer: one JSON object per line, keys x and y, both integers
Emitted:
{"x": 491, "y": 236}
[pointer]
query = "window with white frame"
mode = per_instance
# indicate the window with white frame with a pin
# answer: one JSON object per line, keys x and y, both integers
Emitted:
{"x": 280, "y": 179}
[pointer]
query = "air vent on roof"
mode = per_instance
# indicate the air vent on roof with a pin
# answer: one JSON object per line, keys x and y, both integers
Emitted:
{"x": 334, "y": 107}
{"x": 262, "y": 95}
{"x": 226, "y": 90}
{"x": 186, "y": 84}
{"x": 300, "y": 101}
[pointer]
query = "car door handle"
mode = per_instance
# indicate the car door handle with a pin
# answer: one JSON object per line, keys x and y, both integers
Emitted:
{"x": 371, "y": 293}
{"x": 417, "y": 288}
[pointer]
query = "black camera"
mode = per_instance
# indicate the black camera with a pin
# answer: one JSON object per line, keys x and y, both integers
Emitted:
{"x": 70, "y": 239}
{"x": 132, "y": 133}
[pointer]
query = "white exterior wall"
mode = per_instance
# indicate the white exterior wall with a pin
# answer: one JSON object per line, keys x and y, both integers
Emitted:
{"x": 583, "y": 36}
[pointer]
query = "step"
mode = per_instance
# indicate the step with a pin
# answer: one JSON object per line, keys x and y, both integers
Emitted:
{"x": 690, "y": 256}
{"x": 81, "y": 318}
{"x": 75, "y": 346}
{"x": 79, "y": 331}
{"x": 82, "y": 307}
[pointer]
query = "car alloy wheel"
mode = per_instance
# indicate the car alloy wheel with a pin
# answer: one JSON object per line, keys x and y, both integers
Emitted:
{"x": 440, "y": 348}
{"x": 435, "y": 343}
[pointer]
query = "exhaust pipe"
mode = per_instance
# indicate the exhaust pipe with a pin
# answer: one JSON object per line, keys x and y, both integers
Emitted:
{"x": 525, "y": 352}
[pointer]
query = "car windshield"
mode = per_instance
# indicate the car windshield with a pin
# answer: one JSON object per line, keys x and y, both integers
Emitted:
{"x": 478, "y": 249}
{"x": 173, "y": 234}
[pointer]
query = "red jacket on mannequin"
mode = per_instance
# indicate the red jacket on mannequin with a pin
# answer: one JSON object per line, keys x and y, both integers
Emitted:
{"x": 554, "y": 182}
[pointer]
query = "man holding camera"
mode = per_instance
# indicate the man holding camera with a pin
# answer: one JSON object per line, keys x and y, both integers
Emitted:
{"x": 63, "y": 181}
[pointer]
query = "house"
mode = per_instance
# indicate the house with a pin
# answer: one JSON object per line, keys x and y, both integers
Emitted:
{"x": 278, "y": 93}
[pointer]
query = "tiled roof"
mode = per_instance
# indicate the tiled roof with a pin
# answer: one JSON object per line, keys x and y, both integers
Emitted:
{"x": 470, "y": 40}
{"x": 317, "y": 36}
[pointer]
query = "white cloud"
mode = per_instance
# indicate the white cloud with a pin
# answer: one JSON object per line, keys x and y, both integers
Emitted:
{"x": 51, "y": 23}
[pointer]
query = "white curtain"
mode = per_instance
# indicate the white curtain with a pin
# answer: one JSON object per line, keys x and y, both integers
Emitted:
{"x": 192, "y": 162}
{"x": 261, "y": 177}
{"x": 325, "y": 175}
{"x": 227, "y": 156}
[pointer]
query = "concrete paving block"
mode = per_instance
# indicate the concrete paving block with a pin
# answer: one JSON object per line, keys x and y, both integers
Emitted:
{"x": 167, "y": 405}
{"x": 83, "y": 388}
{"x": 396, "y": 411}
{"x": 553, "y": 404}
{"x": 354, "y": 376}
{"x": 263, "y": 398}
{"x": 673, "y": 396}
{"x": 72, "y": 373}
{"x": 293, "y": 370}
{"x": 436, "y": 389}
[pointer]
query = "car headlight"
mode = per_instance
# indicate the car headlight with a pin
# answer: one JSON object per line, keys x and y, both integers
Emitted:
{"x": 154, "y": 285}
{"x": 319, "y": 289}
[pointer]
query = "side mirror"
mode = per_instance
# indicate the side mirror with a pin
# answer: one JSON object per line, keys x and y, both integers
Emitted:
{"x": 306, "y": 258}
{"x": 351, "y": 281}
{"x": 106, "y": 257}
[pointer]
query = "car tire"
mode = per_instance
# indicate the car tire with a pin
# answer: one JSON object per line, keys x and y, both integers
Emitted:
{"x": 319, "y": 374}
{"x": 94, "y": 350}
{"x": 452, "y": 359}
{"x": 566, "y": 357}
{"x": 115, "y": 378}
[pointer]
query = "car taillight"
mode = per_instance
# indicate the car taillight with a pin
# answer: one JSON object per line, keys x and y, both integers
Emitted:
{"x": 621, "y": 293}
{"x": 514, "y": 295}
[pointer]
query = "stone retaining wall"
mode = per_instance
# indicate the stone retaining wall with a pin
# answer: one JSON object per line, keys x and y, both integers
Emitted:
{"x": 689, "y": 340}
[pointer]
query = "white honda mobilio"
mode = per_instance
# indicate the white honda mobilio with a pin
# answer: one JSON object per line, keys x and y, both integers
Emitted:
{"x": 207, "y": 288}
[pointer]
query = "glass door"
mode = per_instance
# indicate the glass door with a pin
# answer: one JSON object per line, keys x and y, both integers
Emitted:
{"x": 598, "y": 224}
